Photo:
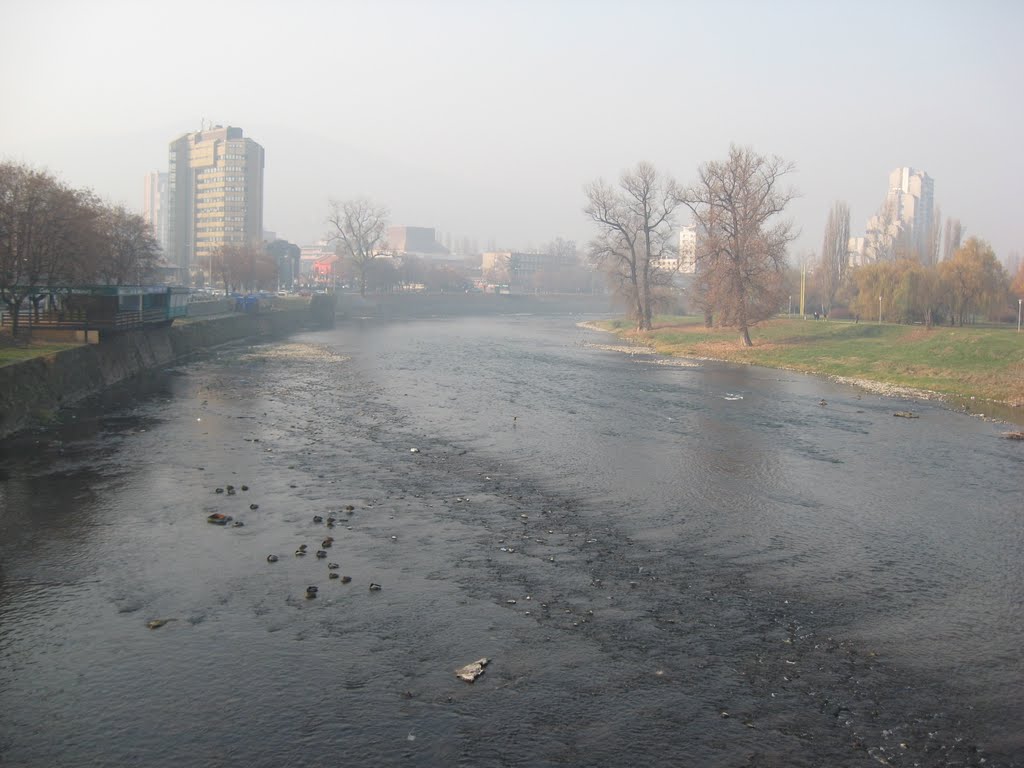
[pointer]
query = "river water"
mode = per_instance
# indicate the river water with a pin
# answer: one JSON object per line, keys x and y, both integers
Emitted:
{"x": 667, "y": 564}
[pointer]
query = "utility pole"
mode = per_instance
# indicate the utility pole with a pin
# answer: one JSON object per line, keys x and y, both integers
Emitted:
{"x": 803, "y": 287}
{"x": 879, "y": 310}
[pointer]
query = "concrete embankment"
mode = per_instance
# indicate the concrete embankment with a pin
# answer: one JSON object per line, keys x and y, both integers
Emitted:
{"x": 32, "y": 390}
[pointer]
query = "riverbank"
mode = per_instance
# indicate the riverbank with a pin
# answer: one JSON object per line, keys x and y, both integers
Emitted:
{"x": 34, "y": 389}
{"x": 956, "y": 365}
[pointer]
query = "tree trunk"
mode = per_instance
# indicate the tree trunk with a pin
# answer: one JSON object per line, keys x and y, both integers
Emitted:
{"x": 709, "y": 320}
{"x": 745, "y": 337}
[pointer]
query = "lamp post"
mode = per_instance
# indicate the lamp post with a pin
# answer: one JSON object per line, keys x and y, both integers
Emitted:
{"x": 790, "y": 305}
{"x": 1019, "y": 301}
{"x": 879, "y": 310}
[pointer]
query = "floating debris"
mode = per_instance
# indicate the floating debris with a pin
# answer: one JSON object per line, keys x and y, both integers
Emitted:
{"x": 472, "y": 671}
{"x": 906, "y": 415}
{"x": 157, "y": 623}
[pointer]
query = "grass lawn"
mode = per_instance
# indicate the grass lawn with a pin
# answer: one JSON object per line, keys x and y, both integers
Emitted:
{"x": 10, "y": 355}
{"x": 984, "y": 362}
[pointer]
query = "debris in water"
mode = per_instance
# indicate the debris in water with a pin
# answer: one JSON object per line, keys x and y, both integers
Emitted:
{"x": 906, "y": 415}
{"x": 157, "y": 623}
{"x": 471, "y": 672}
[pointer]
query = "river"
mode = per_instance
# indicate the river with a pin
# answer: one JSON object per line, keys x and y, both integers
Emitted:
{"x": 667, "y": 563}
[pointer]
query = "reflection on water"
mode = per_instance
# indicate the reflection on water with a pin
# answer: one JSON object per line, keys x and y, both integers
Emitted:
{"x": 657, "y": 566}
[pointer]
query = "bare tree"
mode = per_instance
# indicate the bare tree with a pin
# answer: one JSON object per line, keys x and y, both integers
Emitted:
{"x": 835, "y": 252}
{"x": 131, "y": 252}
{"x": 735, "y": 204}
{"x": 635, "y": 227}
{"x": 46, "y": 235}
{"x": 357, "y": 230}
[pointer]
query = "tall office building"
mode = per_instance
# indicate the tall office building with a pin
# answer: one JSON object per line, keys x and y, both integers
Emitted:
{"x": 154, "y": 206}
{"x": 215, "y": 195}
{"x": 906, "y": 217}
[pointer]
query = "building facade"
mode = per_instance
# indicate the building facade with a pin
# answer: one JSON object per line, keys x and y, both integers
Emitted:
{"x": 904, "y": 224}
{"x": 416, "y": 241}
{"x": 215, "y": 195}
{"x": 154, "y": 206}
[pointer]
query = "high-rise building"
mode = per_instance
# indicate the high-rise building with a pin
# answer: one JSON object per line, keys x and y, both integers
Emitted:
{"x": 215, "y": 195}
{"x": 154, "y": 206}
{"x": 906, "y": 218}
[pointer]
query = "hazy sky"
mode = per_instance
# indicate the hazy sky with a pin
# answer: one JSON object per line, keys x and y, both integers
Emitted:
{"x": 486, "y": 119}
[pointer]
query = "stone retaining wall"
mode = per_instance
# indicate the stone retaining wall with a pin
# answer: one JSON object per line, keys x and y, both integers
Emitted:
{"x": 32, "y": 390}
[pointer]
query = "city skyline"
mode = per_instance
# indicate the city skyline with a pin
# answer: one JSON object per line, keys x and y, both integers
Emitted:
{"x": 498, "y": 148}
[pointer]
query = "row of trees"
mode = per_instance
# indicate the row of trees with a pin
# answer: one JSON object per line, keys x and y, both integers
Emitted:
{"x": 736, "y": 205}
{"x": 245, "y": 267}
{"x": 968, "y": 286}
{"x": 53, "y": 235}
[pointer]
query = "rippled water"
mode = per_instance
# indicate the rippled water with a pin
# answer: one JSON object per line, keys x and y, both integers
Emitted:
{"x": 708, "y": 565}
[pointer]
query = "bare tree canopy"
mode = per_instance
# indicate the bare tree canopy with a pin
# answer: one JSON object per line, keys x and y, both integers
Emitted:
{"x": 357, "y": 229}
{"x": 635, "y": 227}
{"x": 131, "y": 252}
{"x": 48, "y": 235}
{"x": 835, "y": 252}
{"x": 741, "y": 243}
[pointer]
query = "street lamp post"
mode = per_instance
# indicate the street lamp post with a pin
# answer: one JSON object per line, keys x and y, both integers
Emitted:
{"x": 879, "y": 310}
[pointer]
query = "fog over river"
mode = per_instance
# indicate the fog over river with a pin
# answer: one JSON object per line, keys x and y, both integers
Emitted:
{"x": 667, "y": 564}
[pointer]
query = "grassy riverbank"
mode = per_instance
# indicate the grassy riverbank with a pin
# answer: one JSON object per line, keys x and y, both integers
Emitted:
{"x": 986, "y": 363}
{"x": 15, "y": 354}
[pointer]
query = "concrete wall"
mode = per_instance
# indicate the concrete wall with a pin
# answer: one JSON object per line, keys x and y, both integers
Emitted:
{"x": 32, "y": 390}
